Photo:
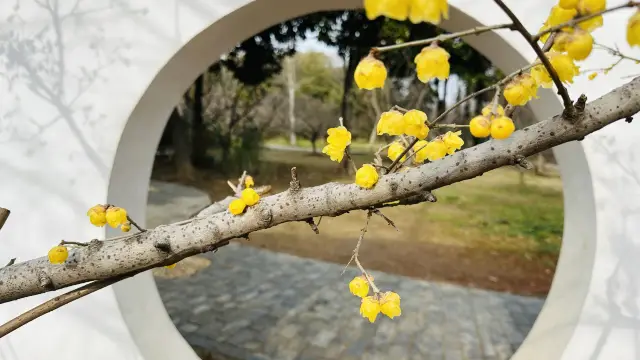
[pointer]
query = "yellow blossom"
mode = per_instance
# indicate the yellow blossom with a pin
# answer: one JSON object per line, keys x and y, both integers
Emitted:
{"x": 421, "y": 152}
{"x": 370, "y": 308}
{"x": 393, "y": 9}
{"x": 488, "y": 110}
{"x": 237, "y": 206}
{"x": 391, "y": 123}
{"x": 339, "y": 136}
{"x": 370, "y": 73}
{"x": 579, "y": 45}
{"x": 520, "y": 90}
{"x": 591, "y": 6}
{"x": 335, "y": 153}
{"x": 171, "y": 266}
{"x": 432, "y": 62}
{"x": 568, "y": 4}
{"x": 591, "y": 24}
{"x": 249, "y": 196}
{"x": 593, "y": 75}
{"x": 415, "y": 124}
{"x": 480, "y": 126}
{"x": 633, "y": 30}
{"x": 359, "y": 286}
{"x": 116, "y": 216}
{"x": 563, "y": 65}
{"x": 126, "y": 227}
{"x": 390, "y": 304}
{"x": 248, "y": 181}
{"x": 394, "y": 151}
{"x": 97, "y": 215}
{"x": 502, "y": 128}
{"x": 366, "y": 176}
{"x": 58, "y": 254}
{"x": 453, "y": 141}
{"x": 428, "y": 10}
{"x": 545, "y": 37}
{"x": 558, "y": 16}
{"x": 435, "y": 150}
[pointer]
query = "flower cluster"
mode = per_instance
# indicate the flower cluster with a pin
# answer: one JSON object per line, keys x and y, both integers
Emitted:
{"x": 387, "y": 303}
{"x": 248, "y": 197}
{"x": 492, "y": 123}
{"x": 337, "y": 141}
{"x": 412, "y": 123}
{"x": 100, "y": 215}
{"x": 416, "y": 11}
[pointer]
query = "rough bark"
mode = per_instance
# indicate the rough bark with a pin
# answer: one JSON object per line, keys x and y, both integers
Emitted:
{"x": 168, "y": 244}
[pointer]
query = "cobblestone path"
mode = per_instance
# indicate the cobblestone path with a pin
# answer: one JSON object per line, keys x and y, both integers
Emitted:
{"x": 253, "y": 304}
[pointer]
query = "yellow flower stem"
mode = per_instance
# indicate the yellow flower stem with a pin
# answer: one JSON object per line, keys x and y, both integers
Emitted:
{"x": 562, "y": 91}
{"x": 575, "y": 21}
{"x": 353, "y": 163}
{"x": 474, "y": 31}
{"x": 450, "y": 126}
{"x": 135, "y": 224}
{"x": 356, "y": 250}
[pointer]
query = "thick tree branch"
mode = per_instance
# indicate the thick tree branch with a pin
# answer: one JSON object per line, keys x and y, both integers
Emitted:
{"x": 137, "y": 253}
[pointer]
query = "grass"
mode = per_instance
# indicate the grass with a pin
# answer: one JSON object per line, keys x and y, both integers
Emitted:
{"x": 490, "y": 231}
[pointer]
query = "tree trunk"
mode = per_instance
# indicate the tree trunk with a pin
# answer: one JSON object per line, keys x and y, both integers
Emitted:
{"x": 314, "y": 138}
{"x": 181, "y": 147}
{"x": 198, "y": 132}
{"x": 347, "y": 84}
{"x": 376, "y": 108}
{"x": 291, "y": 84}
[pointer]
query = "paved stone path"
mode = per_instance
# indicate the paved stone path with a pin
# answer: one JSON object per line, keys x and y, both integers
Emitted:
{"x": 259, "y": 305}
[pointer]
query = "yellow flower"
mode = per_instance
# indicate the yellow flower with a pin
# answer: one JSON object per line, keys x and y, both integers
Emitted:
{"x": 428, "y": 10}
{"x": 248, "y": 181}
{"x": 591, "y": 6}
{"x": 453, "y": 141}
{"x": 370, "y": 308}
{"x": 421, "y": 152}
{"x": 568, "y": 4}
{"x": 435, "y": 150}
{"x": 394, "y": 151}
{"x": 393, "y": 9}
{"x": 543, "y": 38}
{"x": 58, "y": 254}
{"x": 502, "y": 128}
{"x": 237, "y": 206}
{"x": 593, "y": 75}
{"x": 335, "y": 153}
{"x": 432, "y": 62}
{"x": 579, "y": 45}
{"x": 171, "y": 266}
{"x": 366, "y": 176}
{"x": 116, "y": 216}
{"x": 97, "y": 215}
{"x": 390, "y": 304}
{"x": 249, "y": 196}
{"x": 370, "y": 73}
{"x": 591, "y": 24}
{"x": 339, "y": 136}
{"x": 391, "y": 122}
{"x": 563, "y": 65}
{"x": 558, "y": 16}
{"x": 520, "y": 90}
{"x": 415, "y": 124}
{"x": 488, "y": 110}
{"x": 480, "y": 126}
{"x": 633, "y": 30}
{"x": 126, "y": 227}
{"x": 359, "y": 286}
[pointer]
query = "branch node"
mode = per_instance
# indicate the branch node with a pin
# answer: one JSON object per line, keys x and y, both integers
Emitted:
{"x": 430, "y": 197}
{"x": 44, "y": 280}
{"x": 628, "y": 120}
{"x": 11, "y": 262}
{"x": 265, "y": 217}
{"x": 162, "y": 244}
{"x": 313, "y": 225}
{"x": 522, "y": 162}
{"x": 294, "y": 185}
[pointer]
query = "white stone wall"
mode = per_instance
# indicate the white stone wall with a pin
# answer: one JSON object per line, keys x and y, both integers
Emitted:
{"x": 87, "y": 89}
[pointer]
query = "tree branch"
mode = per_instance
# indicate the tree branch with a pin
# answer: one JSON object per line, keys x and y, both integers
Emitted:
{"x": 113, "y": 258}
{"x": 562, "y": 91}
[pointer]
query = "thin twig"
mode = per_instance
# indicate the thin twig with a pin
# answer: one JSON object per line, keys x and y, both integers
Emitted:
{"x": 562, "y": 91}
{"x": 11, "y": 262}
{"x": 444, "y": 37}
{"x": 56, "y": 303}
{"x": 389, "y": 221}
{"x": 64, "y": 242}
{"x": 356, "y": 250}
{"x": 313, "y": 225}
{"x": 4, "y": 215}
{"x": 353, "y": 163}
{"x": 240, "y": 185}
{"x": 141, "y": 229}
{"x": 583, "y": 18}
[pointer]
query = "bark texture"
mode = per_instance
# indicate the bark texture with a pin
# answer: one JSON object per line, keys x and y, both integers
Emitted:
{"x": 168, "y": 244}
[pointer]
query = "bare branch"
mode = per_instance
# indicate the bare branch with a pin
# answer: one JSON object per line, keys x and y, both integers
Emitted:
{"x": 141, "y": 229}
{"x": 137, "y": 253}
